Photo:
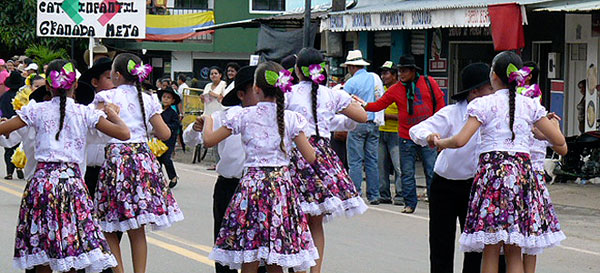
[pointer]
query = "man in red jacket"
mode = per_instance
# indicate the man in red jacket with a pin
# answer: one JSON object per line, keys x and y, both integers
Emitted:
{"x": 417, "y": 97}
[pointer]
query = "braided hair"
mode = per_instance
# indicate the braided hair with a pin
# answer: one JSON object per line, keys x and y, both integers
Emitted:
{"x": 271, "y": 91}
{"x": 120, "y": 65}
{"x": 499, "y": 66}
{"x": 57, "y": 66}
{"x": 306, "y": 57}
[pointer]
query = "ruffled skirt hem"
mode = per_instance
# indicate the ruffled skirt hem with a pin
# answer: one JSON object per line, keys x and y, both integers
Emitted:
{"x": 156, "y": 222}
{"x": 235, "y": 258}
{"x": 531, "y": 245}
{"x": 349, "y": 208}
{"x": 93, "y": 261}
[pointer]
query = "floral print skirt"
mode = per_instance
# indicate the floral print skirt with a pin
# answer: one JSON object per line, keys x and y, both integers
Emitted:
{"x": 503, "y": 206}
{"x": 131, "y": 191}
{"x": 57, "y": 227}
{"x": 325, "y": 186}
{"x": 264, "y": 222}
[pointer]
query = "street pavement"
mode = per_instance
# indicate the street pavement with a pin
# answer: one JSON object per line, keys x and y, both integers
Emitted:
{"x": 381, "y": 240}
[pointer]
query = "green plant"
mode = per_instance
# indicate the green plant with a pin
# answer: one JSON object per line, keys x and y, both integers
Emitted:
{"x": 42, "y": 54}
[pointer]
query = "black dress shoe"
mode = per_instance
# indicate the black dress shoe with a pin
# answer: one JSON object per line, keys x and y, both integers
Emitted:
{"x": 173, "y": 183}
{"x": 385, "y": 201}
{"x": 20, "y": 174}
{"x": 374, "y": 202}
{"x": 8, "y": 177}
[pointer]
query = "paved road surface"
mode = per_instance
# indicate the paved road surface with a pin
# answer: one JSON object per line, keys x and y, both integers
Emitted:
{"x": 381, "y": 240}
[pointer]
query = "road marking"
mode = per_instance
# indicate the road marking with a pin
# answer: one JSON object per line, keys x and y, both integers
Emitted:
{"x": 580, "y": 250}
{"x": 18, "y": 186}
{"x": 400, "y": 213}
{"x": 11, "y": 191}
{"x": 181, "y": 251}
{"x": 180, "y": 166}
{"x": 182, "y": 241}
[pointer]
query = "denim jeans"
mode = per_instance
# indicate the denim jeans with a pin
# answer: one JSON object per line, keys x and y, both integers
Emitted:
{"x": 389, "y": 157}
{"x": 362, "y": 150}
{"x": 408, "y": 154}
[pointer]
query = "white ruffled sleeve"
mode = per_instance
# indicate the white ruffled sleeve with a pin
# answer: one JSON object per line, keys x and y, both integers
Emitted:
{"x": 152, "y": 106}
{"x": 233, "y": 121}
{"x": 341, "y": 98}
{"x": 28, "y": 113}
{"x": 103, "y": 97}
{"x": 539, "y": 111}
{"x": 92, "y": 116}
{"x": 295, "y": 123}
{"x": 479, "y": 109}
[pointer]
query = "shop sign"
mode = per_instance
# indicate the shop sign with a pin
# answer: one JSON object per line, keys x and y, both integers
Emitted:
{"x": 396, "y": 20}
{"x": 123, "y": 19}
{"x": 437, "y": 64}
{"x": 442, "y": 82}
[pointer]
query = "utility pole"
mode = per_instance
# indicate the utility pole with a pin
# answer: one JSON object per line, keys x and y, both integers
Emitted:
{"x": 306, "y": 40}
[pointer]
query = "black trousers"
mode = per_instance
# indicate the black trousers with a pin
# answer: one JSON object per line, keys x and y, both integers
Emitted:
{"x": 448, "y": 200}
{"x": 224, "y": 190}
{"x": 165, "y": 159}
{"x": 8, "y": 153}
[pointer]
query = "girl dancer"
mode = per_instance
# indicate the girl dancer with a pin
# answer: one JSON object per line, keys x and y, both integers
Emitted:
{"x": 264, "y": 222}
{"x": 326, "y": 187}
{"x": 540, "y": 204}
{"x": 499, "y": 214}
{"x": 131, "y": 191}
{"x": 57, "y": 230}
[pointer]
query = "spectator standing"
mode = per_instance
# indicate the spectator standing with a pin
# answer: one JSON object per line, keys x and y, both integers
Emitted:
{"x": 231, "y": 69}
{"x": 4, "y": 73}
{"x": 212, "y": 96}
{"x": 363, "y": 141}
{"x": 389, "y": 153}
{"x": 13, "y": 83}
{"x": 418, "y": 97}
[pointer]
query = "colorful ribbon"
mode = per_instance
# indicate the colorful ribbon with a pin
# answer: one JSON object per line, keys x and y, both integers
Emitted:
{"x": 63, "y": 79}
{"x": 141, "y": 70}
{"x": 281, "y": 80}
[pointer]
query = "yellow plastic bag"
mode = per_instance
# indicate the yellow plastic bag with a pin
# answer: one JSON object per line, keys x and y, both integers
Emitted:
{"x": 19, "y": 158}
{"x": 158, "y": 147}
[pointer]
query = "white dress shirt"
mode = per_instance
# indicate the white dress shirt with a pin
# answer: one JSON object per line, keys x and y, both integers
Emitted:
{"x": 26, "y": 136}
{"x": 231, "y": 164}
{"x": 453, "y": 164}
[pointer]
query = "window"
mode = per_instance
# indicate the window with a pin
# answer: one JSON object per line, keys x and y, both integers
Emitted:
{"x": 195, "y": 4}
{"x": 268, "y": 5}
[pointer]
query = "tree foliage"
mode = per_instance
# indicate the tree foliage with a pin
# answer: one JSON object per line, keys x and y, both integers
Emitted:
{"x": 18, "y": 27}
{"x": 42, "y": 54}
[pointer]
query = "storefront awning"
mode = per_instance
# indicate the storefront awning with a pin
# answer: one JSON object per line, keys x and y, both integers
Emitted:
{"x": 372, "y": 15}
{"x": 570, "y": 6}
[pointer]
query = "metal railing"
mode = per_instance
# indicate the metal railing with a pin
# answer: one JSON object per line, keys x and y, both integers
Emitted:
{"x": 158, "y": 10}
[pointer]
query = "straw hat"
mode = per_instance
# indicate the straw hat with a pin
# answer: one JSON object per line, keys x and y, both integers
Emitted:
{"x": 98, "y": 49}
{"x": 355, "y": 58}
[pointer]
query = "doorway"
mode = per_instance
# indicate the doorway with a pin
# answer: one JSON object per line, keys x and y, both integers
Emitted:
{"x": 577, "y": 71}
{"x": 463, "y": 54}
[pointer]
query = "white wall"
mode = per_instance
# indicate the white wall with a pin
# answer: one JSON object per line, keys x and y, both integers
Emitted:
{"x": 181, "y": 61}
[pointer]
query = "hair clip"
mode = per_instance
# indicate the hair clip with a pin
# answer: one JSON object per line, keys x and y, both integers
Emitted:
{"x": 63, "y": 79}
{"x": 518, "y": 75}
{"x": 283, "y": 80}
{"x": 314, "y": 72}
{"x": 141, "y": 70}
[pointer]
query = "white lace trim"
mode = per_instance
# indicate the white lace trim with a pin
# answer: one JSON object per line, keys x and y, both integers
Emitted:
{"x": 93, "y": 261}
{"x": 350, "y": 207}
{"x": 234, "y": 259}
{"x": 330, "y": 205}
{"x": 531, "y": 245}
{"x": 157, "y": 222}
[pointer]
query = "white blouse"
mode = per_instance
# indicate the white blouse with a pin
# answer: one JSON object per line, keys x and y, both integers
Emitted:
{"x": 260, "y": 136}
{"x": 493, "y": 113}
{"x": 329, "y": 102}
{"x": 126, "y": 97}
{"x": 538, "y": 153}
{"x": 453, "y": 164}
{"x": 44, "y": 119}
{"x": 212, "y": 104}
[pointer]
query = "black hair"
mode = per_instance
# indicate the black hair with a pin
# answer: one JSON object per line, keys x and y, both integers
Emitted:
{"x": 57, "y": 66}
{"x": 306, "y": 57}
{"x": 499, "y": 66}
{"x": 273, "y": 92}
{"x": 167, "y": 80}
{"x": 182, "y": 77}
{"x": 220, "y": 70}
{"x": 36, "y": 78}
{"x": 290, "y": 62}
{"x": 581, "y": 82}
{"x": 233, "y": 65}
{"x": 120, "y": 65}
{"x": 28, "y": 61}
{"x": 535, "y": 71}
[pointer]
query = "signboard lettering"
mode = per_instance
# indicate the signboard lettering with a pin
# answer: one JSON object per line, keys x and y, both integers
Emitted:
{"x": 92, "y": 18}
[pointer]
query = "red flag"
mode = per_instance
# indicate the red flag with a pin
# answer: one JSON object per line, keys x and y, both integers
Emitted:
{"x": 507, "y": 26}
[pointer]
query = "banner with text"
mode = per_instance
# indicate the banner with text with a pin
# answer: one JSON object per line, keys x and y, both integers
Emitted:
{"x": 424, "y": 19}
{"x": 123, "y": 19}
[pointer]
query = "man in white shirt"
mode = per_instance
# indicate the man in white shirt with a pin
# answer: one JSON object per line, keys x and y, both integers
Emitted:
{"x": 454, "y": 171}
{"x": 231, "y": 162}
